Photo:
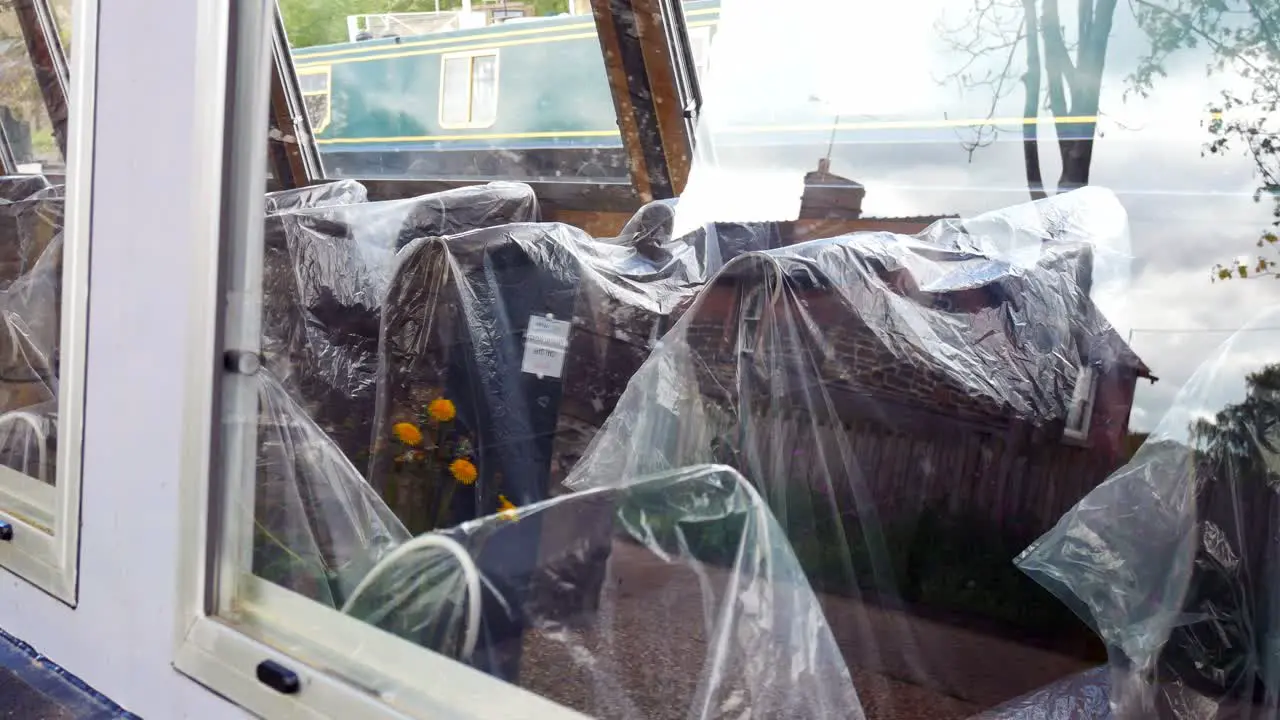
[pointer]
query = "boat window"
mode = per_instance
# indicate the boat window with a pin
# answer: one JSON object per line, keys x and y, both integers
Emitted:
{"x": 700, "y": 42}
{"x": 43, "y": 296}
{"x": 484, "y": 90}
{"x": 414, "y": 90}
{"x": 469, "y": 90}
{"x": 313, "y": 83}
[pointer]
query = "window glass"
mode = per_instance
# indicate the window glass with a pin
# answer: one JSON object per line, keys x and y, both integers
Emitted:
{"x": 23, "y": 111}
{"x": 455, "y": 98}
{"x": 34, "y": 484}
{"x": 484, "y": 90}
{"x": 314, "y": 85}
{"x": 62, "y": 20}
{"x": 404, "y": 106}
{"x": 946, "y": 389}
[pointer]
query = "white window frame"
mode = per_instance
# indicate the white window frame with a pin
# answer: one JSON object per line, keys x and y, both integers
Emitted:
{"x": 1080, "y": 411}
{"x": 46, "y": 518}
{"x": 470, "y": 56}
{"x": 351, "y": 670}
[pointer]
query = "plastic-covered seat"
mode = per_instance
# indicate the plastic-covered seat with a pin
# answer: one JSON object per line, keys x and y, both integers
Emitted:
{"x": 673, "y": 632}
{"x": 30, "y": 307}
{"x": 1083, "y": 696}
{"x": 653, "y": 225}
{"x": 326, "y": 271}
{"x": 28, "y": 440}
{"x": 341, "y": 192}
{"x": 1173, "y": 559}
{"x": 27, "y": 228}
{"x": 531, "y": 331}
{"x": 904, "y": 406}
{"x": 319, "y": 526}
{"x": 14, "y": 188}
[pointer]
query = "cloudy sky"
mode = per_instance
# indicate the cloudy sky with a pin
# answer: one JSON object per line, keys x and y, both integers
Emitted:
{"x": 1186, "y": 211}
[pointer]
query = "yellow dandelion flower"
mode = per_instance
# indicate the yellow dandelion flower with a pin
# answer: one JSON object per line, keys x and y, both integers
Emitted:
{"x": 442, "y": 410}
{"x": 407, "y": 433}
{"x": 507, "y": 509}
{"x": 464, "y": 471}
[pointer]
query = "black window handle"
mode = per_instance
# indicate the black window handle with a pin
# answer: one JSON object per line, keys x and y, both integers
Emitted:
{"x": 278, "y": 677}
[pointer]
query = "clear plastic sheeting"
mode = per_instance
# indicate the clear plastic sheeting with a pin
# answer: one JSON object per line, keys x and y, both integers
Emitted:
{"x": 523, "y": 336}
{"x": 20, "y": 187}
{"x": 341, "y": 192}
{"x": 599, "y": 601}
{"x": 30, "y": 301}
{"x": 1079, "y": 697}
{"x": 1090, "y": 215}
{"x": 654, "y": 225}
{"x": 914, "y": 410}
{"x": 318, "y": 525}
{"x": 326, "y": 271}
{"x": 28, "y": 440}
{"x": 1173, "y": 559}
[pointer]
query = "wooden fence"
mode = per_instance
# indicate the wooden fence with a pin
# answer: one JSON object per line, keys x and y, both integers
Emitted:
{"x": 996, "y": 474}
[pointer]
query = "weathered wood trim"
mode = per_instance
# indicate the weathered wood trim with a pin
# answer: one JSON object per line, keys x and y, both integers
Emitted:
{"x": 664, "y": 90}
{"x": 295, "y": 161}
{"x": 553, "y": 196}
{"x": 620, "y": 87}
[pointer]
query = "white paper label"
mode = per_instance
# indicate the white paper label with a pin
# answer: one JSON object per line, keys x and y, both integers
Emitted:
{"x": 545, "y": 343}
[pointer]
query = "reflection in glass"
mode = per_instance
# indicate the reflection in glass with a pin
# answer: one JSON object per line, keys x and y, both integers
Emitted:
{"x": 990, "y": 434}
{"x": 31, "y": 224}
{"x": 31, "y": 242}
{"x": 484, "y": 90}
{"x": 23, "y": 111}
{"x": 62, "y": 21}
{"x": 477, "y": 90}
{"x": 455, "y": 107}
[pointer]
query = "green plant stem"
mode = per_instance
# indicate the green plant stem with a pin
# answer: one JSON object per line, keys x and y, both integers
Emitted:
{"x": 445, "y": 505}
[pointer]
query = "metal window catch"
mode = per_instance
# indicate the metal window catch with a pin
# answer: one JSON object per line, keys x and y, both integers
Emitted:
{"x": 241, "y": 361}
{"x": 278, "y": 677}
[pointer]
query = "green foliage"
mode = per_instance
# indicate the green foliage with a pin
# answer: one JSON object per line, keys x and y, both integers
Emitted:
{"x": 1242, "y": 40}
{"x": 550, "y": 7}
{"x": 946, "y": 562}
{"x": 1064, "y": 75}
{"x": 1240, "y": 440}
{"x": 962, "y": 563}
{"x": 324, "y": 22}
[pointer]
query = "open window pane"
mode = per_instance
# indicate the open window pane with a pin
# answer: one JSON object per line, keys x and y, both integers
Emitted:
{"x": 61, "y": 10}
{"x": 483, "y": 90}
{"x": 794, "y": 444}
{"x": 40, "y": 383}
